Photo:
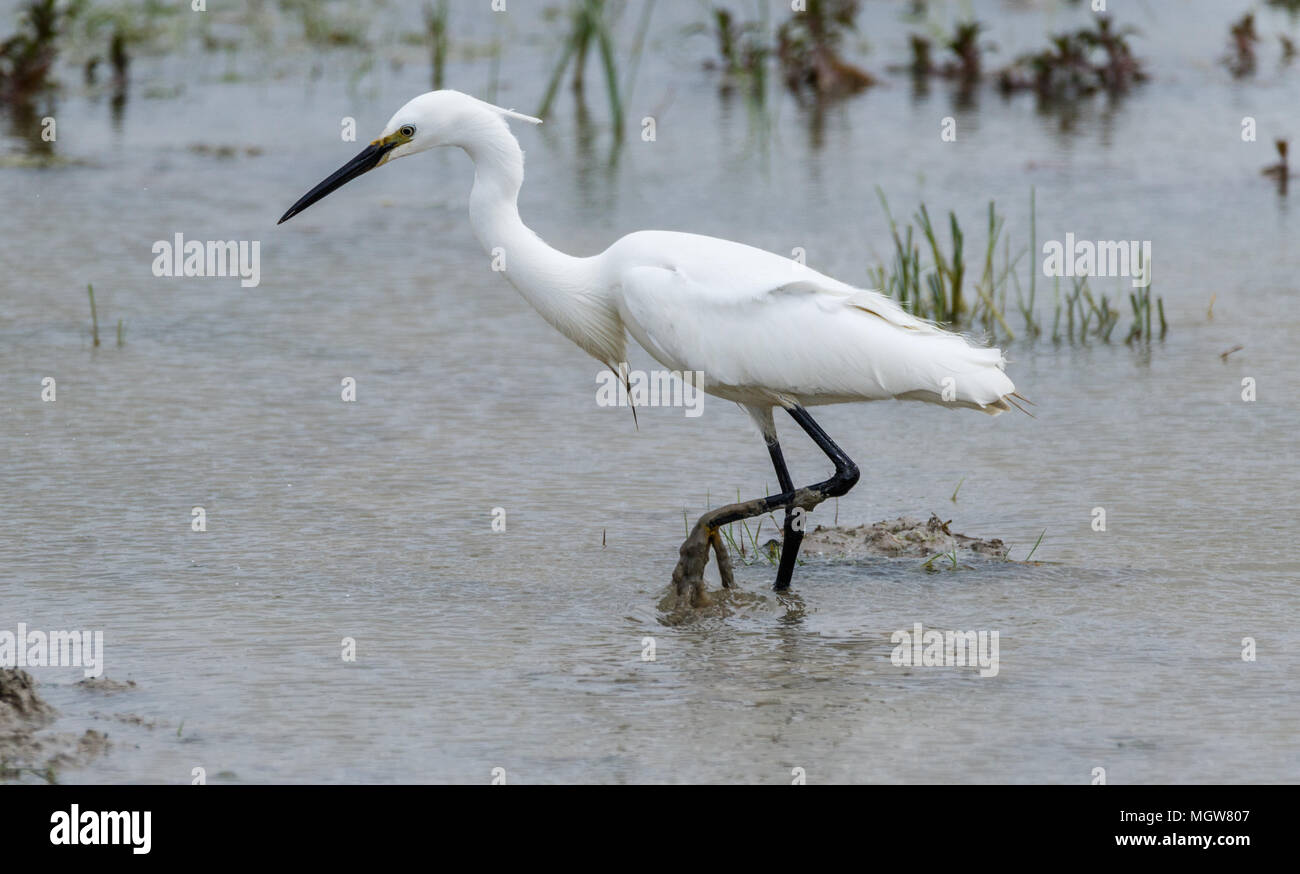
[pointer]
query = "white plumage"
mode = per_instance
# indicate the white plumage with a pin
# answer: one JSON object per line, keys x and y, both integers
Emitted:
{"x": 765, "y": 331}
{"x": 769, "y": 331}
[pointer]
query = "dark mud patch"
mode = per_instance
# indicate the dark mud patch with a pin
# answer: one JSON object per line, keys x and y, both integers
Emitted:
{"x": 27, "y": 749}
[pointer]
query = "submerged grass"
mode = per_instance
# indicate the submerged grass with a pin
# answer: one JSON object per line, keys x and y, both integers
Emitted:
{"x": 929, "y": 279}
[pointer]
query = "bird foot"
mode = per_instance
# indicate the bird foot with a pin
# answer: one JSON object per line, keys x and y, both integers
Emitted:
{"x": 693, "y": 557}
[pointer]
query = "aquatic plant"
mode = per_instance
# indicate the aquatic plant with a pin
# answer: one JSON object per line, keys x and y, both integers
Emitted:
{"x": 742, "y": 47}
{"x": 809, "y": 49}
{"x": 94, "y": 317}
{"x": 435, "y": 29}
{"x": 27, "y": 56}
{"x": 1280, "y": 171}
{"x": 935, "y": 288}
{"x": 1242, "y": 39}
{"x": 1077, "y": 65}
{"x": 922, "y": 64}
{"x": 94, "y": 321}
{"x": 318, "y": 29}
{"x": 590, "y": 26}
{"x": 966, "y": 50}
{"x": 1036, "y": 545}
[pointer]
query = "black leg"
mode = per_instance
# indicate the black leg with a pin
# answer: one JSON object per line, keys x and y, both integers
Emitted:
{"x": 791, "y": 539}
{"x": 846, "y": 476}
{"x": 688, "y": 575}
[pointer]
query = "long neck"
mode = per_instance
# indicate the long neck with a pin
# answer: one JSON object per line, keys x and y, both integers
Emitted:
{"x": 562, "y": 288}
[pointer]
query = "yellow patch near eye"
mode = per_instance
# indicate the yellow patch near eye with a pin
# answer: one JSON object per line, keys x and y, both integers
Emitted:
{"x": 395, "y": 138}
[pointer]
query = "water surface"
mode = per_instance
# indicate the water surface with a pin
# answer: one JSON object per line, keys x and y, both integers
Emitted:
{"x": 523, "y": 649}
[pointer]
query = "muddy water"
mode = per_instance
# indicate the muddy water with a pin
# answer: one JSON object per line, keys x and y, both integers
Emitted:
{"x": 523, "y": 649}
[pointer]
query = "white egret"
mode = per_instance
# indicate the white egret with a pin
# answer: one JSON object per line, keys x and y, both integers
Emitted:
{"x": 766, "y": 331}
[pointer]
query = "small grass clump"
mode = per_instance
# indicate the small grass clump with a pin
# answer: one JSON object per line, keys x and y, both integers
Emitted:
{"x": 1281, "y": 171}
{"x": 742, "y": 47}
{"x": 930, "y": 280}
{"x": 809, "y": 48}
{"x": 1077, "y": 65}
{"x": 742, "y": 541}
{"x": 1242, "y": 39}
{"x": 27, "y": 56}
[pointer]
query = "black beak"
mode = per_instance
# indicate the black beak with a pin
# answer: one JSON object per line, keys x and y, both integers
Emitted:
{"x": 363, "y": 163}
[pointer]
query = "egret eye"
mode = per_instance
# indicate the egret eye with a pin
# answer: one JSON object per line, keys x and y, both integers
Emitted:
{"x": 407, "y": 130}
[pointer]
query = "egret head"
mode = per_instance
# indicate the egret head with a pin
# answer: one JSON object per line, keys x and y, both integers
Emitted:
{"x": 437, "y": 118}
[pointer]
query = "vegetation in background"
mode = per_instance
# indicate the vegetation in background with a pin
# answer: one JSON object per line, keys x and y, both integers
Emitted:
{"x": 590, "y": 28}
{"x": 809, "y": 48}
{"x": 929, "y": 279}
{"x": 94, "y": 321}
{"x": 94, "y": 317}
{"x": 1242, "y": 40}
{"x": 743, "y": 49}
{"x": 922, "y": 52}
{"x": 1281, "y": 171}
{"x": 963, "y": 62}
{"x": 1077, "y": 65}
{"x": 966, "y": 63}
{"x": 320, "y": 30}
{"x": 435, "y": 28}
{"x": 27, "y": 56}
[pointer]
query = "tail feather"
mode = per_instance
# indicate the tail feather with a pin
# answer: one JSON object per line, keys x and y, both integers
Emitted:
{"x": 953, "y": 372}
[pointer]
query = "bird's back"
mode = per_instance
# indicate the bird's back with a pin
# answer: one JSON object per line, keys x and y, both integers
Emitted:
{"x": 769, "y": 330}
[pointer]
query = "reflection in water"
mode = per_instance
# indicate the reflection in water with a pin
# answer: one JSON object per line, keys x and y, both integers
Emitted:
{"x": 26, "y": 124}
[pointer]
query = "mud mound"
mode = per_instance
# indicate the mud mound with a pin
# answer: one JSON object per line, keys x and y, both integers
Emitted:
{"x": 20, "y": 707}
{"x": 25, "y": 751}
{"x": 106, "y": 686}
{"x": 904, "y": 537}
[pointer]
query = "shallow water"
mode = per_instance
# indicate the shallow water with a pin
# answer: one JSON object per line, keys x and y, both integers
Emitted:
{"x": 523, "y": 649}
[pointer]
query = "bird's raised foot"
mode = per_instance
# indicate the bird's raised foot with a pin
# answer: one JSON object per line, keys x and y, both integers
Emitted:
{"x": 693, "y": 557}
